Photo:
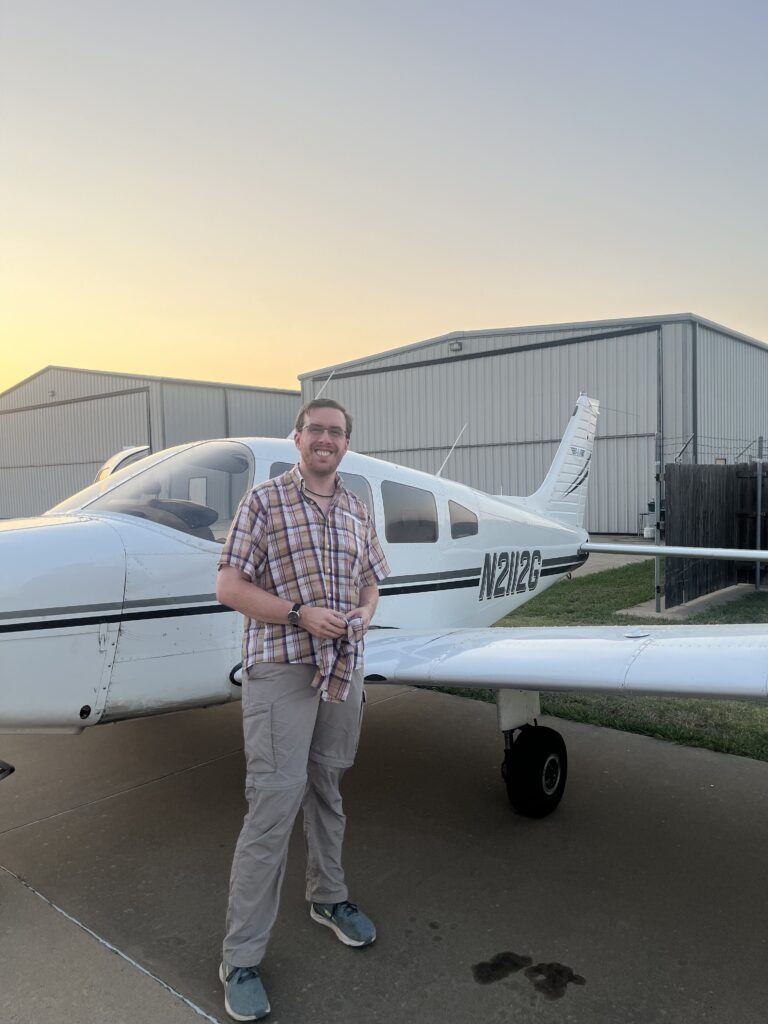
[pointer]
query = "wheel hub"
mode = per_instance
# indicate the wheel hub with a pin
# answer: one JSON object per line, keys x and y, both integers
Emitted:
{"x": 550, "y": 774}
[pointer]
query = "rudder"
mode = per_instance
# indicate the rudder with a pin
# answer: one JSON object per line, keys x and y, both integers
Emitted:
{"x": 563, "y": 495}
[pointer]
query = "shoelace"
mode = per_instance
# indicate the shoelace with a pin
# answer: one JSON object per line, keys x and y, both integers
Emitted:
{"x": 246, "y": 974}
{"x": 346, "y": 908}
{"x": 343, "y": 909}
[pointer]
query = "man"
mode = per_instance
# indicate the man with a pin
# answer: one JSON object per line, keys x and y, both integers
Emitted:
{"x": 302, "y": 563}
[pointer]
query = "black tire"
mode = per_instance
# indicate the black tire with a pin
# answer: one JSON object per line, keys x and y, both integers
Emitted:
{"x": 535, "y": 769}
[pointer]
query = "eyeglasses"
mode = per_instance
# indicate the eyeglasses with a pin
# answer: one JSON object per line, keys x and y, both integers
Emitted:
{"x": 317, "y": 431}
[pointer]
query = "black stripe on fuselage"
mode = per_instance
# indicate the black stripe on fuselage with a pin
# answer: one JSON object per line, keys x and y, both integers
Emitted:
{"x": 558, "y": 566}
{"x": 425, "y": 588}
{"x": 564, "y": 559}
{"x": 80, "y": 609}
{"x": 430, "y": 577}
{"x": 91, "y": 620}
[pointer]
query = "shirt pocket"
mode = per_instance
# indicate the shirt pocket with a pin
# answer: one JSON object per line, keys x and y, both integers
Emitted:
{"x": 350, "y": 545}
{"x": 258, "y": 740}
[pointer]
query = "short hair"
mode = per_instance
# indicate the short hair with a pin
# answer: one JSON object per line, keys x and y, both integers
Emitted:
{"x": 321, "y": 403}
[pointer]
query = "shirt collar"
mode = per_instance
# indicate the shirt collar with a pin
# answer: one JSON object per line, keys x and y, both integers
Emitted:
{"x": 300, "y": 482}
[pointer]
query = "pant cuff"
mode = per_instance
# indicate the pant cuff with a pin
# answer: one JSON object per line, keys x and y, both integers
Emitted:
{"x": 324, "y": 897}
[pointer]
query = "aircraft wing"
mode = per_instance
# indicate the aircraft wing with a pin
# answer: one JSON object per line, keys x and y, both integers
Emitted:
{"x": 684, "y": 661}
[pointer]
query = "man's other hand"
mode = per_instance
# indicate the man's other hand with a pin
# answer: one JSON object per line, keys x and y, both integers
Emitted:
{"x": 362, "y": 613}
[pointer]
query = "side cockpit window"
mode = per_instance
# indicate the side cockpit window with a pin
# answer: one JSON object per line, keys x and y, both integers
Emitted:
{"x": 463, "y": 522}
{"x": 196, "y": 491}
{"x": 410, "y": 514}
{"x": 361, "y": 488}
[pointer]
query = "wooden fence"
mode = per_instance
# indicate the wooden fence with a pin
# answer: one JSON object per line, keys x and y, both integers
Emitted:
{"x": 711, "y": 506}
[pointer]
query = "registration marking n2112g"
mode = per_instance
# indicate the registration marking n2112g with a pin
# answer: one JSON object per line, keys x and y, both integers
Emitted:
{"x": 509, "y": 572}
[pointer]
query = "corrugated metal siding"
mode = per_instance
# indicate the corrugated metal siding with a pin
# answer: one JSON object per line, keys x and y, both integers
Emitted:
{"x": 48, "y": 453}
{"x": 678, "y": 389}
{"x": 193, "y": 413}
{"x": 156, "y": 417}
{"x": 621, "y": 484}
{"x": 261, "y": 414}
{"x": 732, "y": 389}
{"x": 78, "y": 432}
{"x": 29, "y": 492}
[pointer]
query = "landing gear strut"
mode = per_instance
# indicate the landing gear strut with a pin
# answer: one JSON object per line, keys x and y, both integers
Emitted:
{"x": 535, "y": 768}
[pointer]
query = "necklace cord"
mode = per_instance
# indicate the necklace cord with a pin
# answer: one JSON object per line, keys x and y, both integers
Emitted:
{"x": 317, "y": 493}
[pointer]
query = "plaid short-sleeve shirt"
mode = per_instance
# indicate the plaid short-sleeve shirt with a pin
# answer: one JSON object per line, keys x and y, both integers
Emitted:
{"x": 281, "y": 541}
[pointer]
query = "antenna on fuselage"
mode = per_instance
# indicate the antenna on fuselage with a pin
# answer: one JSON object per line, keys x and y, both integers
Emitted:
{"x": 322, "y": 389}
{"x": 450, "y": 453}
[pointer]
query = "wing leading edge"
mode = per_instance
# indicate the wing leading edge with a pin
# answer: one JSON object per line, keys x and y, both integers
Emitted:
{"x": 683, "y": 661}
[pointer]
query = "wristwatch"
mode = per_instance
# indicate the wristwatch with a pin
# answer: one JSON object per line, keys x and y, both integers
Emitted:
{"x": 294, "y": 615}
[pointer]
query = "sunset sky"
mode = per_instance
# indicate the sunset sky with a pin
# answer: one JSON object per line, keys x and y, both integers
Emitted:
{"x": 244, "y": 190}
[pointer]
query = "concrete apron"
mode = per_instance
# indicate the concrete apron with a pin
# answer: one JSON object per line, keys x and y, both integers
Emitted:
{"x": 648, "y": 883}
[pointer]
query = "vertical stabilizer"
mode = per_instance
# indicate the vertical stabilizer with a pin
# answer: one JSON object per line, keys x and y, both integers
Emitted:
{"x": 563, "y": 495}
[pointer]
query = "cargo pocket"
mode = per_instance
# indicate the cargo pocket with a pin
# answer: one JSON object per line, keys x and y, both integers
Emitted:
{"x": 257, "y": 735}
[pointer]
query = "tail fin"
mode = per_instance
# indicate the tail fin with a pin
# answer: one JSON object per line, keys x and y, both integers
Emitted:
{"x": 563, "y": 495}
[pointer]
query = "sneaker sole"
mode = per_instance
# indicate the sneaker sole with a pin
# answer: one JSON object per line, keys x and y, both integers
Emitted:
{"x": 338, "y": 932}
{"x": 228, "y": 1008}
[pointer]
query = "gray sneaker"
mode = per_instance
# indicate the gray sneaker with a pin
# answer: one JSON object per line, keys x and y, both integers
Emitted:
{"x": 350, "y": 924}
{"x": 245, "y": 997}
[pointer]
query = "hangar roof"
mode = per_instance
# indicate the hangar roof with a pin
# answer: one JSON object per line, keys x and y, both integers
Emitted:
{"x": 148, "y": 377}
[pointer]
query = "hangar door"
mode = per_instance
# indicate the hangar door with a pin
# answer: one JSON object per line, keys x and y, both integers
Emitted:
{"x": 48, "y": 452}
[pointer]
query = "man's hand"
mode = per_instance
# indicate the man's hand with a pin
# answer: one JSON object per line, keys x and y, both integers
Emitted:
{"x": 363, "y": 613}
{"x": 323, "y": 622}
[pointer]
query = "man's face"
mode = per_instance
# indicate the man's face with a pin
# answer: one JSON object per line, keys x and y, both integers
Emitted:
{"x": 323, "y": 442}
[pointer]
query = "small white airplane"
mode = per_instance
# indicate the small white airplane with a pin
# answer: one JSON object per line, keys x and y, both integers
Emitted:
{"x": 108, "y": 612}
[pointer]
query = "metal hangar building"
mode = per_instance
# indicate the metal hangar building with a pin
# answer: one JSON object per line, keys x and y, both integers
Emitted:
{"x": 676, "y": 388}
{"x": 58, "y": 426}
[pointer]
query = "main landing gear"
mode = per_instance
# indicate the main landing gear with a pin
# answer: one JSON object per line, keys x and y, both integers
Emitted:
{"x": 534, "y": 769}
{"x": 535, "y": 761}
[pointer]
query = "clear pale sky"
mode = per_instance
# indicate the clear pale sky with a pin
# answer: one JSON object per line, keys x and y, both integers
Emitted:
{"x": 244, "y": 190}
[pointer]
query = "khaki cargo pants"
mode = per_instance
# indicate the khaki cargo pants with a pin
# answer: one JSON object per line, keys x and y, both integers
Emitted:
{"x": 297, "y": 748}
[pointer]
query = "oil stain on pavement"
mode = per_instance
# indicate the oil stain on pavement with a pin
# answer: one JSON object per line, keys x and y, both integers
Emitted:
{"x": 499, "y": 967}
{"x": 551, "y": 979}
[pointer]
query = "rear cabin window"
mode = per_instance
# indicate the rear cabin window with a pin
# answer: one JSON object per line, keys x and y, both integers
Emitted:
{"x": 410, "y": 514}
{"x": 463, "y": 522}
{"x": 352, "y": 481}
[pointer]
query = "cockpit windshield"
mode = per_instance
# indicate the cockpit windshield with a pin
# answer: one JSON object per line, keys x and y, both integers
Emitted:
{"x": 195, "y": 490}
